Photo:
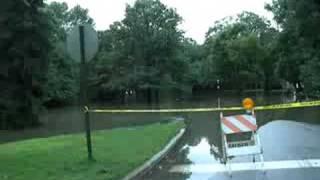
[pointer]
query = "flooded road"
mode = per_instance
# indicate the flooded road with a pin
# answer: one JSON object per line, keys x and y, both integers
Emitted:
{"x": 281, "y": 141}
{"x": 288, "y": 137}
{"x": 285, "y": 135}
{"x": 68, "y": 120}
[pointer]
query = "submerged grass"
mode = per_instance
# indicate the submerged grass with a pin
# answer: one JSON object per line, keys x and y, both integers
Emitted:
{"x": 116, "y": 153}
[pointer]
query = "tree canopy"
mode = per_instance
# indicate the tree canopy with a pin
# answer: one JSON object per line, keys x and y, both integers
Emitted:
{"x": 298, "y": 43}
{"x": 24, "y": 43}
{"x": 239, "y": 50}
{"x": 142, "y": 52}
{"x": 62, "y": 86}
{"x": 147, "y": 55}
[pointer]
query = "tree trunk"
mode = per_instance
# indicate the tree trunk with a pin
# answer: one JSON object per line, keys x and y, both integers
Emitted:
{"x": 149, "y": 96}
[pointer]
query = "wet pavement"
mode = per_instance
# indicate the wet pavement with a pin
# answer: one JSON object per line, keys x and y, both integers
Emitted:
{"x": 291, "y": 150}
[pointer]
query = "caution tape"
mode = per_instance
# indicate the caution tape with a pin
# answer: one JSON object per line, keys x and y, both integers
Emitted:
{"x": 289, "y": 105}
{"x": 258, "y": 108}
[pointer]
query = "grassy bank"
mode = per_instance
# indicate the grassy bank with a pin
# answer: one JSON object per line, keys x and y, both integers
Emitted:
{"x": 117, "y": 152}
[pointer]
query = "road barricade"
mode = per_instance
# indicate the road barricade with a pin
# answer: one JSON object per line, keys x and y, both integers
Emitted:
{"x": 240, "y": 138}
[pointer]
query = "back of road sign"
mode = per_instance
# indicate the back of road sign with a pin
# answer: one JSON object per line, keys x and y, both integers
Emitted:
{"x": 90, "y": 43}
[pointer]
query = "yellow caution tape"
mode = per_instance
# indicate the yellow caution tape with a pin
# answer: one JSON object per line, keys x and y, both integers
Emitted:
{"x": 259, "y": 108}
{"x": 289, "y": 105}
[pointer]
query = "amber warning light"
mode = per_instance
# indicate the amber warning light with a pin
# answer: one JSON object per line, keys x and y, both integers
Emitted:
{"x": 248, "y": 104}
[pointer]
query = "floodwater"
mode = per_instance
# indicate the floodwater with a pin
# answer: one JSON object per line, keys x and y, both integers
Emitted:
{"x": 68, "y": 120}
{"x": 291, "y": 134}
{"x": 285, "y": 135}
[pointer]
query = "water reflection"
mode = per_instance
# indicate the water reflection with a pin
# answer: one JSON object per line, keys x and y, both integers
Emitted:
{"x": 285, "y": 134}
{"x": 201, "y": 153}
{"x": 281, "y": 140}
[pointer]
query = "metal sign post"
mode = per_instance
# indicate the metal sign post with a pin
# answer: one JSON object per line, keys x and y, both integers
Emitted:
{"x": 83, "y": 90}
{"x": 82, "y": 44}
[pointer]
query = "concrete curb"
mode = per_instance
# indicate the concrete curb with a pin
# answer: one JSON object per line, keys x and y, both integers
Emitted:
{"x": 156, "y": 158}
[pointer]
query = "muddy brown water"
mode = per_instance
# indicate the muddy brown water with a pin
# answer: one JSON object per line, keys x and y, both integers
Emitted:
{"x": 69, "y": 120}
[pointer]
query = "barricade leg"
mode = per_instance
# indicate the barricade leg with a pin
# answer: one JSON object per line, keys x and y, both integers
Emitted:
{"x": 229, "y": 169}
{"x": 262, "y": 164}
{"x": 261, "y": 154}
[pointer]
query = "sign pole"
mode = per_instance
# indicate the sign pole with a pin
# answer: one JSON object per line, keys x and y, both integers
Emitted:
{"x": 83, "y": 90}
{"x": 218, "y": 89}
{"x": 82, "y": 46}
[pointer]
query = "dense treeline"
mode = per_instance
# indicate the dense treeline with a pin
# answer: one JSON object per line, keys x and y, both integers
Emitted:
{"x": 62, "y": 86}
{"x": 240, "y": 51}
{"x": 144, "y": 53}
{"x": 298, "y": 43}
{"x": 147, "y": 56}
{"x": 24, "y": 44}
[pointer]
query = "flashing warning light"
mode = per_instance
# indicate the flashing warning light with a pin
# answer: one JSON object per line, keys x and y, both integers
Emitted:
{"x": 248, "y": 103}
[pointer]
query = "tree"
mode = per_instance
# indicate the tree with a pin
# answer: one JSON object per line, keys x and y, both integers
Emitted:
{"x": 77, "y": 16}
{"x": 236, "y": 51}
{"x": 63, "y": 86}
{"x": 191, "y": 73}
{"x": 66, "y": 19}
{"x": 24, "y": 46}
{"x": 144, "y": 48}
{"x": 298, "y": 42}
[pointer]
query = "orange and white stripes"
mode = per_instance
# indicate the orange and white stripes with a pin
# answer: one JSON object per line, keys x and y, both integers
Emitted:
{"x": 239, "y": 123}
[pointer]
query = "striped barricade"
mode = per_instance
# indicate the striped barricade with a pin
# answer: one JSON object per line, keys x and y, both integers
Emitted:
{"x": 238, "y": 124}
{"x": 240, "y": 137}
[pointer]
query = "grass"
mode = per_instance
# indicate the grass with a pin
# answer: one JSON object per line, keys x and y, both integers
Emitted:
{"x": 116, "y": 153}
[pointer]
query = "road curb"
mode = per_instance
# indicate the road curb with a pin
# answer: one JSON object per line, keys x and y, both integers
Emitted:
{"x": 156, "y": 158}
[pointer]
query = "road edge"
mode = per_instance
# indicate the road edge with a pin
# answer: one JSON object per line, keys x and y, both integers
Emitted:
{"x": 155, "y": 158}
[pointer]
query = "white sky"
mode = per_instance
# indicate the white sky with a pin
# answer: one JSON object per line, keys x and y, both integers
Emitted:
{"x": 198, "y": 15}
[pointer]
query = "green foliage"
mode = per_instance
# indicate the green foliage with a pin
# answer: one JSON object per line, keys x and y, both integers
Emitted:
{"x": 147, "y": 54}
{"x": 77, "y": 16}
{"x": 142, "y": 50}
{"x": 236, "y": 52}
{"x": 34, "y": 65}
{"x": 190, "y": 54}
{"x": 24, "y": 45}
{"x": 62, "y": 86}
{"x": 298, "y": 42}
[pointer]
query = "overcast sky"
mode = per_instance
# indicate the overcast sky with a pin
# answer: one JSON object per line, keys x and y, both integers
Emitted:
{"x": 198, "y": 15}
